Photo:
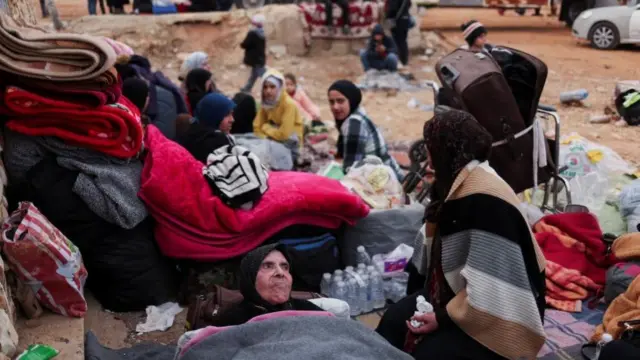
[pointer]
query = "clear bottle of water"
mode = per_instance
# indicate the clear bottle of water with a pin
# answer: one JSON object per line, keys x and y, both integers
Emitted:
{"x": 334, "y": 286}
{"x": 377, "y": 290}
{"x": 362, "y": 256}
{"x": 348, "y": 271}
{"x": 325, "y": 284}
{"x": 341, "y": 292}
{"x": 354, "y": 301}
{"x": 370, "y": 269}
{"x": 574, "y": 95}
{"x": 367, "y": 304}
{"x": 337, "y": 273}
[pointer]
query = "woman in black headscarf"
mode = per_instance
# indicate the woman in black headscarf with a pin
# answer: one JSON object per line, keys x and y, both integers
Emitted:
{"x": 358, "y": 137}
{"x": 265, "y": 284}
{"x": 244, "y": 113}
{"x": 479, "y": 266}
{"x": 137, "y": 91}
{"x": 199, "y": 83}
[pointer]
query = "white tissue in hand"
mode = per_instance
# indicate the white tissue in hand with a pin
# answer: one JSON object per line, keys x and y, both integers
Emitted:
{"x": 423, "y": 307}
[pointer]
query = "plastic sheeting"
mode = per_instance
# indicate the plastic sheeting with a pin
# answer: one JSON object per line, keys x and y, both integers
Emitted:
{"x": 382, "y": 231}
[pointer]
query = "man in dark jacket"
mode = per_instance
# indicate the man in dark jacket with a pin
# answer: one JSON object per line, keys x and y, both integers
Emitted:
{"x": 381, "y": 52}
{"x": 397, "y": 14}
{"x": 254, "y": 46}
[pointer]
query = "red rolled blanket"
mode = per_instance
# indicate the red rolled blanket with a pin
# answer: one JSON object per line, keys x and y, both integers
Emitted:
{"x": 113, "y": 129}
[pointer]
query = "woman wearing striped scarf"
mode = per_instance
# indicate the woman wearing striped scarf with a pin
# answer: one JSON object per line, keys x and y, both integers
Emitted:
{"x": 485, "y": 271}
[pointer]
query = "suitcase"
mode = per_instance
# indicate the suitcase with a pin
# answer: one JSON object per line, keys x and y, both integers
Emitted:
{"x": 502, "y": 92}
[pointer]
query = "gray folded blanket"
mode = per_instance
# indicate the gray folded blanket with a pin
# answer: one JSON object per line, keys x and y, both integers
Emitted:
{"x": 295, "y": 338}
{"x": 272, "y": 154}
{"x": 109, "y": 186}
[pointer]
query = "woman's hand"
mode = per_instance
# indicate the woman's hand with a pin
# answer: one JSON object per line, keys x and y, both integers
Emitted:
{"x": 430, "y": 324}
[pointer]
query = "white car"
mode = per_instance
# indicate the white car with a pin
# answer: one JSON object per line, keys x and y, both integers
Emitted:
{"x": 607, "y": 27}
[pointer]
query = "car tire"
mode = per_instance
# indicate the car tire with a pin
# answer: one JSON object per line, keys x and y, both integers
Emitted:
{"x": 575, "y": 8}
{"x": 604, "y": 36}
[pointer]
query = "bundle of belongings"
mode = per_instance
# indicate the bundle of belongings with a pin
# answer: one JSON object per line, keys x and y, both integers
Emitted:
{"x": 193, "y": 223}
{"x": 72, "y": 153}
{"x": 577, "y": 258}
{"x": 375, "y": 183}
{"x": 236, "y": 176}
{"x": 622, "y": 293}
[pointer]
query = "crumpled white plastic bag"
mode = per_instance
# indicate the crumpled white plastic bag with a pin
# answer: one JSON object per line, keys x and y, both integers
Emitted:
{"x": 159, "y": 318}
{"x": 337, "y": 307}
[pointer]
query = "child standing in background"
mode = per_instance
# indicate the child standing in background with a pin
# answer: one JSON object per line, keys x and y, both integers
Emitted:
{"x": 254, "y": 46}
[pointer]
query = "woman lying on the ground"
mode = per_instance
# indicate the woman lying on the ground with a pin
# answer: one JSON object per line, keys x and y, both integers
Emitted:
{"x": 198, "y": 84}
{"x": 485, "y": 275}
{"x": 358, "y": 137}
{"x": 244, "y": 113}
{"x": 265, "y": 284}
{"x": 308, "y": 109}
{"x": 210, "y": 127}
{"x": 278, "y": 118}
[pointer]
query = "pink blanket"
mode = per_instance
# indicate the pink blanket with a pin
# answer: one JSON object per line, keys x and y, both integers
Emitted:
{"x": 192, "y": 223}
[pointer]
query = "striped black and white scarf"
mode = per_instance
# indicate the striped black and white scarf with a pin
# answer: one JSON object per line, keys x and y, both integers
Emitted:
{"x": 236, "y": 175}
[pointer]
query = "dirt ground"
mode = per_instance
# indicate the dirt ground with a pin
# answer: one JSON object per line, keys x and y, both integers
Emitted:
{"x": 571, "y": 66}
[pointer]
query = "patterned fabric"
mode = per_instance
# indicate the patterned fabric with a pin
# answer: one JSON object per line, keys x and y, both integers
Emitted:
{"x": 493, "y": 265}
{"x": 236, "y": 175}
{"x": 454, "y": 139}
{"x": 566, "y": 288}
{"x": 567, "y": 332}
{"x": 362, "y": 138}
{"x": 43, "y": 258}
{"x": 362, "y": 16}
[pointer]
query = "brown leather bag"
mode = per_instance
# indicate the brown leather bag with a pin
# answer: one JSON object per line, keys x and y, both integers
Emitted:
{"x": 204, "y": 310}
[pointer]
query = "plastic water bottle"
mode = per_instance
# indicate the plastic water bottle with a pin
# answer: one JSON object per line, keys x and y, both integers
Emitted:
{"x": 377, "y": 290}
{"x": 367, "y": 304}
{"x": 337, "y": 273}
{"x": 325, "y": 284}
{"x": 362, "y": 256}
{"x": 348, "y": 271}
{"x": 353, "y": 299}
{"x": 574, "y": 95}
{"x": 370, "y": 269}
{"x": 604, "y": 340}
{"x": 341, "y": 291}
{"x": 334, "y": 285}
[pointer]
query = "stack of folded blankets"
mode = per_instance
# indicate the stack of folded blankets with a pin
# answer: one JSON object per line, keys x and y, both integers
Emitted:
{"x": 71, "y": 147}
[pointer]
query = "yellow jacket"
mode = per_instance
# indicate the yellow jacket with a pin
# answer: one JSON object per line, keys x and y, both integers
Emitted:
{"x": 281, "y": 121}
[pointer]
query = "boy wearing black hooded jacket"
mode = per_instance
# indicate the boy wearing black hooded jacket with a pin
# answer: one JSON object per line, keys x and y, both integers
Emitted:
{"x": 381, "y": 52}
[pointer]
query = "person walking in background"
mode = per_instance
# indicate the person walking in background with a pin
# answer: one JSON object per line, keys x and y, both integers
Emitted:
{"x": 400, "y": 21}
{"x": 43, "y": 7}
{"x": 254, "y": 46}
{"x": 381, "y": 52}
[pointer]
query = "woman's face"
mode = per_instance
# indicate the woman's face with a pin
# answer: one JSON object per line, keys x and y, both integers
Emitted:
{"x": 481, "y": 41}
{"x": 339, "y": 105}
{"x": 273, "y": 281}
{"x": 291, "y": 86}
{"x": 208, "y": 86}
{"x": 269, "y": 91}
{"x": 227, "y": 123}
